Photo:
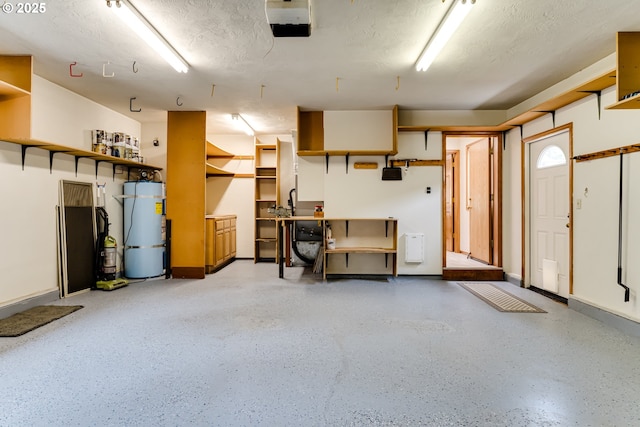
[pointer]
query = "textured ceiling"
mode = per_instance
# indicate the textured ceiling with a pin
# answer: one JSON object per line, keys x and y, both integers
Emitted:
{"x": 358, "y": 52}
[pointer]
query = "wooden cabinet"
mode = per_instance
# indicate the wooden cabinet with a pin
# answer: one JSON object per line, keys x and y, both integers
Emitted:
{"x": 627, "y": 71}
{"x": 339, "y": 133}
{"x": 361, "y": 246}
{"x": 220, "y": 241}
{"x": 267, "y": 198}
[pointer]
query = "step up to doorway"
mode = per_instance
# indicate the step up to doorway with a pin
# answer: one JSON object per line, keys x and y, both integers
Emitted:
{"x": 488, "y": 274}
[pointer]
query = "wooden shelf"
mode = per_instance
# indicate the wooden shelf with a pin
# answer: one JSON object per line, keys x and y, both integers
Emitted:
{"x": 9, "y": 91}
{"x": 360, "y": 250}
{"x": 215, "y": 152}
{"x": 630, "y": 103}
{"x": 77, "y": 153}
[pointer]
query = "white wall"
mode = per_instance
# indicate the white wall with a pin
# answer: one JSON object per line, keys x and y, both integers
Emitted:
{"x": 362, "y": 193}
{"x": 595, "y": 224}
{"x": 28, "y": 254}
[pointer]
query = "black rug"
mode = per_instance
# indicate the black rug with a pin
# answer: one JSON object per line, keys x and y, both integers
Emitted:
{"x": 28, "y": 320}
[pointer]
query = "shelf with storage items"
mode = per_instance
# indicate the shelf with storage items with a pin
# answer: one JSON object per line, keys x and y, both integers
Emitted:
{"x": 361, "y": 246}
{"x": 627, "y": 71}
{"x": 267, "y": 198}
{"x": 220, "y": 241}
{"x": 216, "y": 155}
{"x": 16, "y": 116}
{"x": 340, "y": 133}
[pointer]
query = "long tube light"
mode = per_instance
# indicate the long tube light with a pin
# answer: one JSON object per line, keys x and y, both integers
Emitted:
{"x": 240, "y": 122}
{"x": 449, "y": 24}
{"x": 146, "y": 31}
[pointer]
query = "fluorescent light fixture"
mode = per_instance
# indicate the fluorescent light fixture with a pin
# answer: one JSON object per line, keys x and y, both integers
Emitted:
{"x": 449, "y": 24}
{"x": 139, "y": 24}
{"x": 241, "y": 123}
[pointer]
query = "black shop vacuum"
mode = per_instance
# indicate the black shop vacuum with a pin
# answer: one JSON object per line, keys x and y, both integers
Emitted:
{"x": 106, "y": 255}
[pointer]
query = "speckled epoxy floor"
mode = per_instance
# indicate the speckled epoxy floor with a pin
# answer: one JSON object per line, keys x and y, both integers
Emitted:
{"x": 245, "y": 348}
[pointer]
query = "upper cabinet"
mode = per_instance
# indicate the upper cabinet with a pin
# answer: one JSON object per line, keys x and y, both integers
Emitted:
{"x": 628, "y": 71}
{"x": 15, "y": 97}
{"x": 372, "y": 132}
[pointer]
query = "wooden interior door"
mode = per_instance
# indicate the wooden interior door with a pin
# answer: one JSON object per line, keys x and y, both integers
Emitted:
{"x": 479, "y": 200}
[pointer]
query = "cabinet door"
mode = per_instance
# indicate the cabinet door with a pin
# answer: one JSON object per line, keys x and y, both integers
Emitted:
{"x": 227, "y": 244}
{"x": 210, "y": 243}
{"x": 233, "y": 242}
{"x": 219, "y": 247}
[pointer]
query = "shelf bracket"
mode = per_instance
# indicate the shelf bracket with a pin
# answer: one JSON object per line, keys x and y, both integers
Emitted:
{"x": 504, "y": 140}
{"x": 521, "y": 131}
{"x": 51, "y": 153}
{"x": 386, "y": 260}
{"x": 598, "y": 94}
{"x": 24, "y": 153}
{"x": 386, "y": 229}
{"x": 346, "y": 228}
{"x": 346, "y": 255}
{"x": 326, "y": 161}
{"x": 113, "y": 177}
{"x": 553, "y": 115}
{"x": 426, "y": 140}
{"x": 346, "y": 161}
{"x": 77, "y": 160}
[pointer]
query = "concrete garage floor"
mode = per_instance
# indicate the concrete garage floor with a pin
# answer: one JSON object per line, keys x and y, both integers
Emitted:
{"x": 244, "y": 348}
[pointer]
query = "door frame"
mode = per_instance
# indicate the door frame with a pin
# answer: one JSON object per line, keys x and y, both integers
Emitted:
{"x": 497, "y": 145}
{"x": 525, "y": 192}
{"x": 455, "y": 176}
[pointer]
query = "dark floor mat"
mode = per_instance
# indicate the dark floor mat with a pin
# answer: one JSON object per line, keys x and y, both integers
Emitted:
{"x": 28, "y": 320}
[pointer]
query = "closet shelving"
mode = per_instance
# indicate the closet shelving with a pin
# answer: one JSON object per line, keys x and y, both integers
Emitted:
{"x": 267, "y": 198}
{"x": 215, "y": 154}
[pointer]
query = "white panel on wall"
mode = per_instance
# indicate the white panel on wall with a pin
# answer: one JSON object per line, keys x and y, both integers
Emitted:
{"x": 310, "y": 178}
{"x": 414, "y": 247}
{"x": 358, "y": 130}
{"x": 64, "y": 117}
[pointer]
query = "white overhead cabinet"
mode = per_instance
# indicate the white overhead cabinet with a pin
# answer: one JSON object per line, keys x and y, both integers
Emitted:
{"x": 359, "y": 131}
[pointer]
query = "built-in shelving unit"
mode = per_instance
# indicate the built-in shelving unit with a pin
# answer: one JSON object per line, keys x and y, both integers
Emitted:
{"x": 267, "y": 198}
{"x": 214, "y": 152}
{"x": 363, "y": 246}
{"x": 15, "y": 117}
{"x": 628, "y": 71}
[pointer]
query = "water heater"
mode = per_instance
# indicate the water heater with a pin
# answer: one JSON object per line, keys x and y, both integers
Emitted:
{"x": 144, "y": 222}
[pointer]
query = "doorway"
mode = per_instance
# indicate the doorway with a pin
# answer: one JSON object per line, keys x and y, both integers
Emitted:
{"x": 548, "y": 212}
{"x": 472, "y": 206}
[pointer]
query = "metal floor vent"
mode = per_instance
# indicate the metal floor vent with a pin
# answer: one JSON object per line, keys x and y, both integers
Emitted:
{"x": 499, "y": 299}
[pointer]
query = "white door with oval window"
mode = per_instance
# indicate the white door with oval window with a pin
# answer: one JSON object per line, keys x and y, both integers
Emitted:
{"x": 549, "y": 213}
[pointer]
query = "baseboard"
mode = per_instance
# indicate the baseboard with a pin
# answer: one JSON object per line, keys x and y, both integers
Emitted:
{"x": 28, "y": 303}
{"x": 514, "y": 280}
{"x": 187, "y": 272}
{"x": 624, "y": 325}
